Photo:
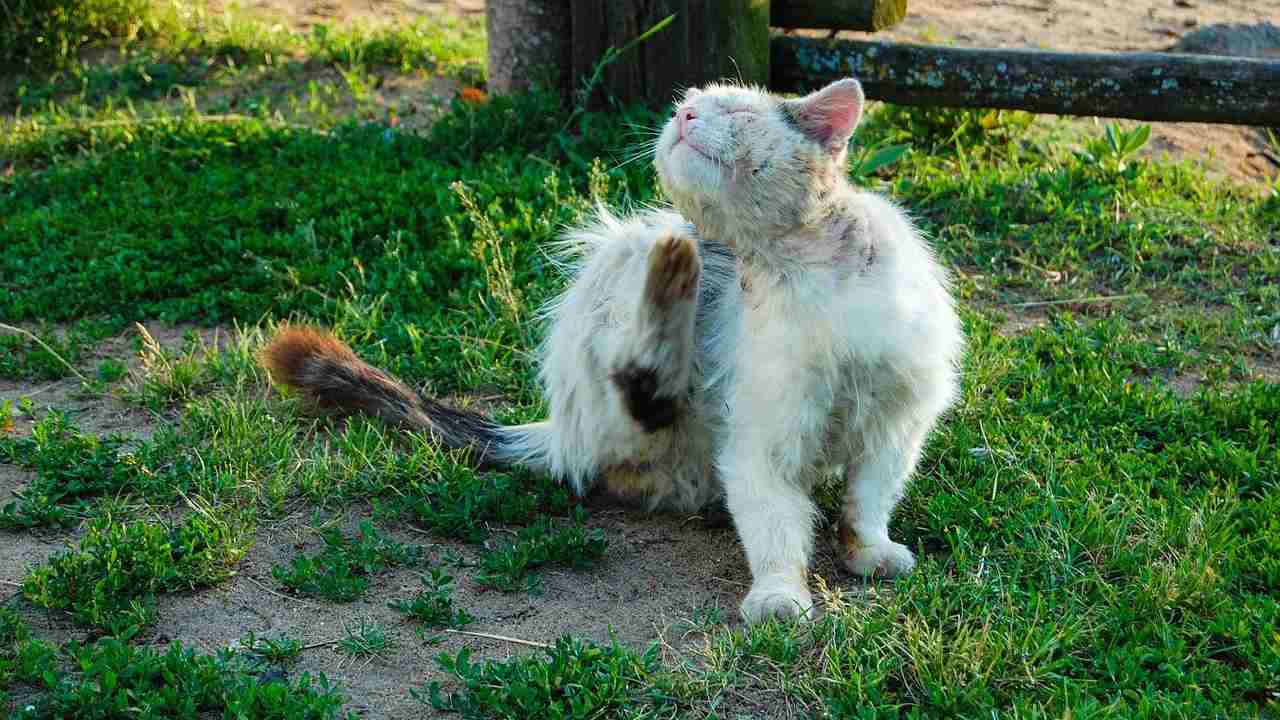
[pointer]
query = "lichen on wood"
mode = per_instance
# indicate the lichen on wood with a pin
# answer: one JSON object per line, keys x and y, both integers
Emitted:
{"x": 1145, "y": 86}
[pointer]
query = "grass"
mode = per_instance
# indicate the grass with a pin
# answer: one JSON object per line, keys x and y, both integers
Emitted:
{"x": 1096, "y": 521}
{"x": 543, "y": 543}
{"x": 280, "y": 650}
{"x": 574, "y": 679}
{"x": 365, "y": 641}
{"x": 110, "y": 678}
{"x": 111, "y": 580}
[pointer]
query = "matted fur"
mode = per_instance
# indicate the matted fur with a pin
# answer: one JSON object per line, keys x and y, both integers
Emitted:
{"x": 776, "y": 327}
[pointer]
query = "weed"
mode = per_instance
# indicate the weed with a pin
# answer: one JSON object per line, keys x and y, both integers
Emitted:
{"x": 575, "y": 679}
{"x": 104, "y": 678}
{"x": 1113, "y": 150}
{"x": 111, "y": 370}
{"x": 365, "y": 641}
{"x": 949, "y": 129}
{"x": 111, "y": 580}
{"x": 867, "y": 161}
{"x": 433, "y": 606}
{"x": 582, "y": 95}
{"x": 74, "y": 470}
{"x": 510, "y": 567}
{"x": 455, "y": 501}
{"x": 278, "y": 650}
{"x": 488, "y": 250}
{"x": 49, "y": 32}
{"x": 166, "y": 378}
{"x": 14, "y": 635}
{"x": 340, "y": 572}
{"x": 45, "y": 354}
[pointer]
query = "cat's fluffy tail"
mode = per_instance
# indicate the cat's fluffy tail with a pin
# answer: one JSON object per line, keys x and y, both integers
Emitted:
{"x": 332, "y": 377}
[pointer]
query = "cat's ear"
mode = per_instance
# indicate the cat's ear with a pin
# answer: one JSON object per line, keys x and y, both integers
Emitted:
{"x": 829, "y": 116}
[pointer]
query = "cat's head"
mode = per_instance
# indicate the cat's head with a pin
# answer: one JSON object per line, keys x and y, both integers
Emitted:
{"x": 736, "y": 158}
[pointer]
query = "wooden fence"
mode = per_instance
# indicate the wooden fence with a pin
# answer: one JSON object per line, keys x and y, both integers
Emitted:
{"x": 713, "y": 39}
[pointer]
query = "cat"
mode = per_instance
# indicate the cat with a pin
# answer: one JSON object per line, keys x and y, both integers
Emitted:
{"x": 773, "y": 326}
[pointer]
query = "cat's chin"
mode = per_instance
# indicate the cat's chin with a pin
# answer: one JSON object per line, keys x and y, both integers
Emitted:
{"x": 691, "y": 180}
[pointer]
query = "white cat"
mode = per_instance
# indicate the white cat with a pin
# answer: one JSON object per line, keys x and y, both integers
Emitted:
{"x": 778, "y": 326}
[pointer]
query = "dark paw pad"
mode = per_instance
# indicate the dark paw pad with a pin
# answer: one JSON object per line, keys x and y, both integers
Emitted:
{"x": 639, "y": 387}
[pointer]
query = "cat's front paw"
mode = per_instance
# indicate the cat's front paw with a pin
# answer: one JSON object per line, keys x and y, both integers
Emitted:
{"x": 884, "y": 560}
{"x": 776, "y": 597}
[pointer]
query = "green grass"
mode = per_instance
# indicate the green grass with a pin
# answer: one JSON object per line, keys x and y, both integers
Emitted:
{"x": 1097, "y": 521}
{"x": 511, "y": 567}
{"x": 365, "y": 641}
{"x": 73, "y": 470}
{"x": 280, "y": 650}
{"x": 574, "y": 679}
{"x": 111, "y": 580}
{"x": 109, "y": 678}
{"x": 39, "y": 37}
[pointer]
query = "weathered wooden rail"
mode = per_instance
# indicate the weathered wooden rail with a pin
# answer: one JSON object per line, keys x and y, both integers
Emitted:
{"x": 1143, "y": 86}
{"x": 713, "y": 39}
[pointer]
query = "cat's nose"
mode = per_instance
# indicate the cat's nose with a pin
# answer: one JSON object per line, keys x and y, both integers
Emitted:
{"x": 684, "y": 117}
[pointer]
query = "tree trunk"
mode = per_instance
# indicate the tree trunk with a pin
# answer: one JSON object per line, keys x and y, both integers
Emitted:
{"x": 528, "y": 44}
{"x": 708, "y": 41}
{"x": 1142, "y": 86}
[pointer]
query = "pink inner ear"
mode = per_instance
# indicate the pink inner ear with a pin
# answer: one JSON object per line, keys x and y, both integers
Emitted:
{"x": 831, "y": 114}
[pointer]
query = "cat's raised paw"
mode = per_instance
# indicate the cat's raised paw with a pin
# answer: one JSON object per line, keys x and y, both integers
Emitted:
{"x": 777, "y": 598}
{"x": 886, "y": 560}
{"x": 674, "y": 267}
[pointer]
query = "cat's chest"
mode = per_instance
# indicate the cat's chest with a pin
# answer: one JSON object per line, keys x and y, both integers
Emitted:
{"x": 782, "y": 323}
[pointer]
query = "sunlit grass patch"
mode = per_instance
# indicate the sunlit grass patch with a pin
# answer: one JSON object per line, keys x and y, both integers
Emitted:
{"x": 1098, "y": 536}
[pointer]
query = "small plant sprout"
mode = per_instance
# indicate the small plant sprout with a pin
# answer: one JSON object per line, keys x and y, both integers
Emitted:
{"x": 433, "y": 606}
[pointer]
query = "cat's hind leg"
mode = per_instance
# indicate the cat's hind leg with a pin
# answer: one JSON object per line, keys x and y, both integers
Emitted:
{"x": 652, "y": 364}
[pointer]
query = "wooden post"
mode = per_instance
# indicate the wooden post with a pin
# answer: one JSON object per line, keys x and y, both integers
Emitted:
{"x": 1143, "y": 86}
{"x": 528, "y": 44}
{"x": 706, "y": 42}
{"x": 864, "y": 15}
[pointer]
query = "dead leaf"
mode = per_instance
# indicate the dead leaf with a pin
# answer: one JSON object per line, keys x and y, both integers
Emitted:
{"x": 474, "y": 95}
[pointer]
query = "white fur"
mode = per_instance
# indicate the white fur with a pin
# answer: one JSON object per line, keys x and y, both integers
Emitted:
{"x": 823, "y": 336}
